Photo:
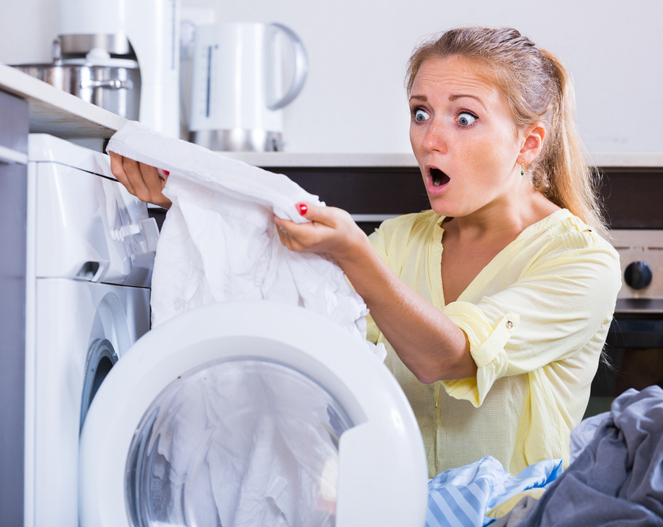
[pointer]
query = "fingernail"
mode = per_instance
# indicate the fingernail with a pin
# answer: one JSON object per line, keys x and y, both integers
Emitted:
{"x": 167, "y": 172}
{"x": 303, "y": 209}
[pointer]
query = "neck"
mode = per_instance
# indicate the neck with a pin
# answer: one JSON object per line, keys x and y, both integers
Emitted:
{"x": 507, "y": 216}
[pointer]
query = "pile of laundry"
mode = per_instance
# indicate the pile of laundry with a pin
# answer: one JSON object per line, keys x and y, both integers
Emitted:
{"x": 615, "y": 477}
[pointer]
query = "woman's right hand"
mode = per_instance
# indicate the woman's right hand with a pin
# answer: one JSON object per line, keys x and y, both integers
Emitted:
{"x": 141, "y": 180}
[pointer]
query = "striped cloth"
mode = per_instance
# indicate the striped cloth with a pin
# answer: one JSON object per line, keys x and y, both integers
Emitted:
{"x": 461, "y": 497}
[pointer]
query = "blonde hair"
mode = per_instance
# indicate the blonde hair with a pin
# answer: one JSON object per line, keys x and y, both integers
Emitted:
{"x": 538, "y": 89}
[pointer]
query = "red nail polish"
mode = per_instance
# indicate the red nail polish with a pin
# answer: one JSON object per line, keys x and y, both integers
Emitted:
{"x": 167, "y": 172}
{"x": 303, "y": 209}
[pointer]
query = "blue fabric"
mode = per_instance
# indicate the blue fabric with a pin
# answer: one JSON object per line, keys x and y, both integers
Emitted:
{"x": 461, "y": 497}
{"x": 617, "y": 480}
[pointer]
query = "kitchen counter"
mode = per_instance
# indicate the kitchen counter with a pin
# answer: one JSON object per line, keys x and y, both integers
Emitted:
{"x": 58, "y": 113}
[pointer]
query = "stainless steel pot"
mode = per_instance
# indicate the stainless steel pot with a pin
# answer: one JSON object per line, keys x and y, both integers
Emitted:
{"x": 114, "y": 85}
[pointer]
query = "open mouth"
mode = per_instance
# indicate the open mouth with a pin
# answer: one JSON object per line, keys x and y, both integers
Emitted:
{"x": 439, "y": 178}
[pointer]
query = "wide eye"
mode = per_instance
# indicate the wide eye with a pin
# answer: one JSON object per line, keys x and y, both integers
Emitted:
{"x": 466, "y": 118}
{"x": 420, "y": 115}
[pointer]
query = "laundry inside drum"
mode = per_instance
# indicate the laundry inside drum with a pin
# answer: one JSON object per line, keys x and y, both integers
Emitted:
{"x": 235, "y": 442}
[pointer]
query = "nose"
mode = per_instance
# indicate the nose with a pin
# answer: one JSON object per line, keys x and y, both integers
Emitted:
{"x": 434, "y": 138}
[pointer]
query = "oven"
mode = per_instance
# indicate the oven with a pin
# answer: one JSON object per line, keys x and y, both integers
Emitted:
{"x": 634, "y": 347}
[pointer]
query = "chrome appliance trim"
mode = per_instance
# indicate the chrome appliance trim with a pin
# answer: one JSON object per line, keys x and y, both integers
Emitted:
{"x": 117, "y": 44}
{"x": 636, "y": 245}
{"x": 238, "y": 140}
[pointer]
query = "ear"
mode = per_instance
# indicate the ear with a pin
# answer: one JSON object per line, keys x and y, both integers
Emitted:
{"x": 532, "y": 144}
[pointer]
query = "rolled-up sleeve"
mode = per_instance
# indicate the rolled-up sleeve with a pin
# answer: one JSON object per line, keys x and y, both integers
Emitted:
{"x": 548, "y": 314}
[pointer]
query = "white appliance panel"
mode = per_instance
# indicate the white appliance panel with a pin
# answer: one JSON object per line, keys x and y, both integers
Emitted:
{"x": 88, "y": 226}
{"x": 75, "y": 210}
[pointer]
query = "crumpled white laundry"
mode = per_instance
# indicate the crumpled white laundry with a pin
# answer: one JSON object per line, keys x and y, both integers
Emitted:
{"x": 244, "y": 444}
{"x": 219, "y": 240}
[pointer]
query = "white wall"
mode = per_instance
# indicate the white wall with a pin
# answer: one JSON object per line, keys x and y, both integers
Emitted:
{"x": 354, "y": 100}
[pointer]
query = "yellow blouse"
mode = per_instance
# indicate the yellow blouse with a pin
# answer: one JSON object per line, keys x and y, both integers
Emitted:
{"x": 536, "y": 318}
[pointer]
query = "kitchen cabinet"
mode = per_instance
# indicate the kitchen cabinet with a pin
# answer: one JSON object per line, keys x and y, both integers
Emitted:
{"x": 14, "y": 127}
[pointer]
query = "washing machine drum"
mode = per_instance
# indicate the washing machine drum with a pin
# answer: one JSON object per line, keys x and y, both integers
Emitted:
{"x": 251, "y": 414}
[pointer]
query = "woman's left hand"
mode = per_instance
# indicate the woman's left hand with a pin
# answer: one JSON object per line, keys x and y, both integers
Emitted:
{"x": 330, "y": 230}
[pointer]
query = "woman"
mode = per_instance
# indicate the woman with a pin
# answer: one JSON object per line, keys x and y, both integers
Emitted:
{"x": 494, "y": 305}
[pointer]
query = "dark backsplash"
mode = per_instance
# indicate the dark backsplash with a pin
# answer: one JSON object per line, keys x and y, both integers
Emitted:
{"x": 631, "y": 196}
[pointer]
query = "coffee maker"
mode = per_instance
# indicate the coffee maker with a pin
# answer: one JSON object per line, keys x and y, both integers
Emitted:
{"x": 146, "y": 31}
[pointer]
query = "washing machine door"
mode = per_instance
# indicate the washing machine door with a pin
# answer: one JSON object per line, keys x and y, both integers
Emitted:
{"x": 251, "y": 414}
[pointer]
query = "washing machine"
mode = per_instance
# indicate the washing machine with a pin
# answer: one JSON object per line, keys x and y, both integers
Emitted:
{"x": 240, "y": 413}
{"x": 90, "y": 251}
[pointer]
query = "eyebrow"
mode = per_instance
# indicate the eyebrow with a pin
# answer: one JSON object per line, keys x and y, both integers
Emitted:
{"x": 452, "y": 98}
{"x": 458, "y": 96}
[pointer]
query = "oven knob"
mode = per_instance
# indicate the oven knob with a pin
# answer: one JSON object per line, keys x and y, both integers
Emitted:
{"x": 638, "y": 275}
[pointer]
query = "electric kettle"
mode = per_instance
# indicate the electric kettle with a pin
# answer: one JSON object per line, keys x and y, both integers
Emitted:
{"x": 238, "y": 85}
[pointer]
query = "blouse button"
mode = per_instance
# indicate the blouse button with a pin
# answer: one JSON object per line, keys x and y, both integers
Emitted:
{"x": 509, "y": 324}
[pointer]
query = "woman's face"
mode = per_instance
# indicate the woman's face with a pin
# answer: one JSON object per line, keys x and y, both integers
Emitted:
{"x": 464, "y": 137}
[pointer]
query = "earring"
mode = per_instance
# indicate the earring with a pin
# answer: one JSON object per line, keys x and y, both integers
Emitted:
{"x": 522, "y": 169}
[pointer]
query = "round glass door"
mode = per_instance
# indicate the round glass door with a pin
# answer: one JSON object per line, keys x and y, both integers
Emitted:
{"x": 237, "y": 442}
